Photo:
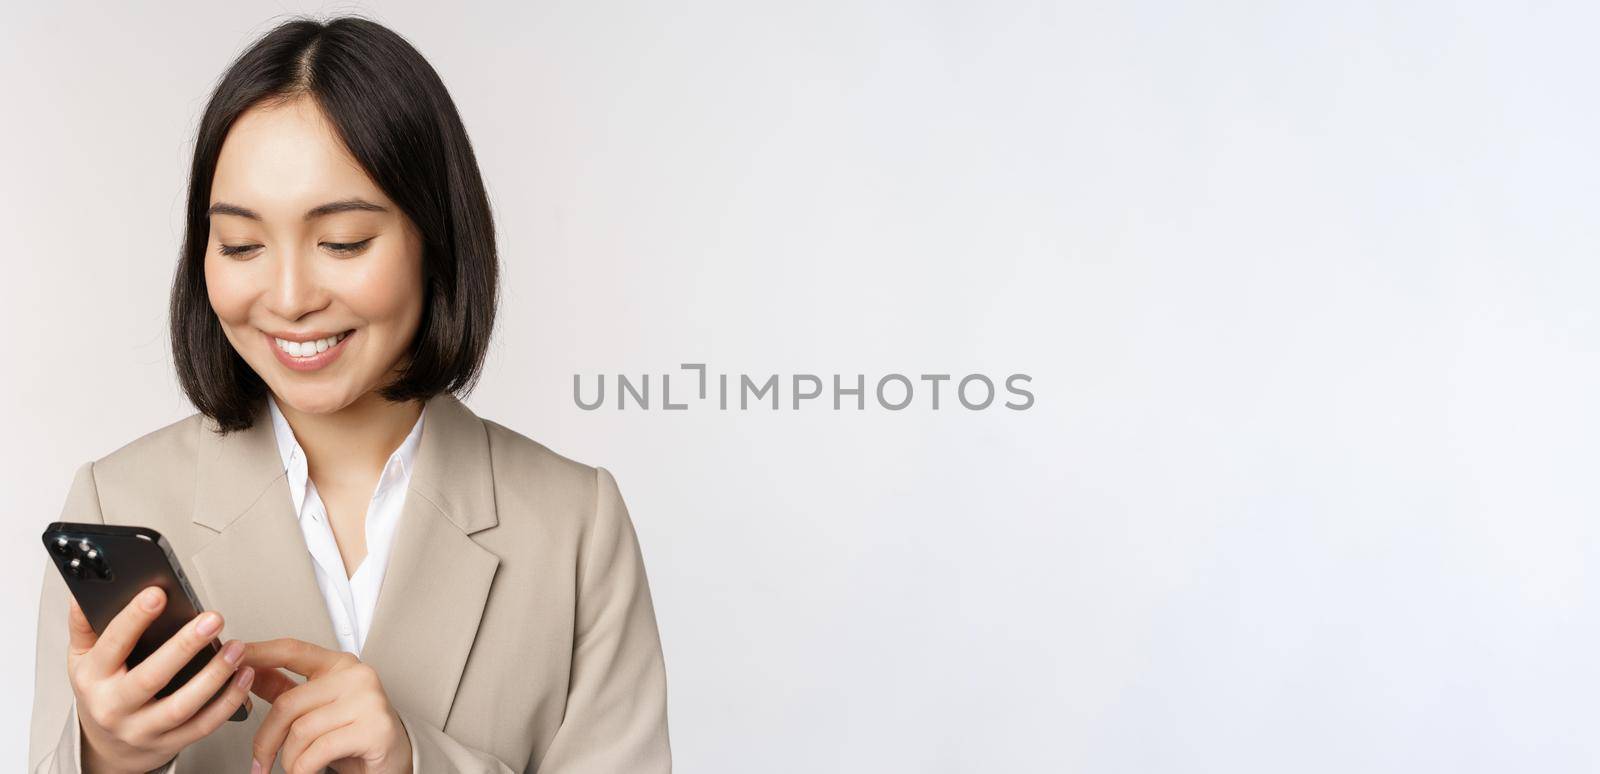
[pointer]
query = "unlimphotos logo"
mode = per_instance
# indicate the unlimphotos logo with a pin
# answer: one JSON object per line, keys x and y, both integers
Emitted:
{"x": 894, "y": 392}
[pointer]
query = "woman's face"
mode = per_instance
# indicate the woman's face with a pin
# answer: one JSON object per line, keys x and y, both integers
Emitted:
{"x": 314, "y": 273}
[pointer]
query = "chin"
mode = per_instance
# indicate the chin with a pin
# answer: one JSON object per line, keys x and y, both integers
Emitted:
{"x": 313, "y": 401}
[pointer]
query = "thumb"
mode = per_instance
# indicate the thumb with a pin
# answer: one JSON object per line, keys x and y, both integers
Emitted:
{"x": 271, "y": 683}
{"x": 81, "y": 636}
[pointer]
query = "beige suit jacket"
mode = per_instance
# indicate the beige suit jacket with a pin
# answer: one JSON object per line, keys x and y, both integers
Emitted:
{"x": 514, "y": 630}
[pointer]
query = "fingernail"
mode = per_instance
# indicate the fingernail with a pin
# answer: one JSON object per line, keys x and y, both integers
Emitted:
{"x": 255, "y": 767}
{"x": 209, "y": 624}
{"x": 246, "y": 677}
{"x": 232, "y": 651}
{"x": 150, "y": 599}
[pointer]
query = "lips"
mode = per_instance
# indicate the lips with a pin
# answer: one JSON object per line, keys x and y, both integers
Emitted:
{"x": 309, "y": 348}
{"x": 309, "y": 354}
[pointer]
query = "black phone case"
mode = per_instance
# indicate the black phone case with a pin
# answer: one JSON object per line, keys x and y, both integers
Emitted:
{"x": 106, "y": 565}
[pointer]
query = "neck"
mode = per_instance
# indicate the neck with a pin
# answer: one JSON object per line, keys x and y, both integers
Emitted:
{"x": 360, "y": 436}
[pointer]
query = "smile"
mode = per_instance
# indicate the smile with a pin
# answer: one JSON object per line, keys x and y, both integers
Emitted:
{"x": 309, "y": 348}
{"x": 308, "y": 354}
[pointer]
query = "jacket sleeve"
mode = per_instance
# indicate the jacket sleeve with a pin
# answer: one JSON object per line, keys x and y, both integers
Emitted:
{"x": 53, "y": 735}
{"x": 616, "y": 714}
{"x": 433, "y": 750}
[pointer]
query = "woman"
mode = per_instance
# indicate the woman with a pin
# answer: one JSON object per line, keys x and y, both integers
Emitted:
{"x": 452, "y": 596}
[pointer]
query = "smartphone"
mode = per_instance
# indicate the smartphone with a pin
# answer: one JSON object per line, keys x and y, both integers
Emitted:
{"x": 106, "y": 566}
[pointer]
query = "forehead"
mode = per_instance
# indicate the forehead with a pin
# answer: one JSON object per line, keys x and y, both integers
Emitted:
{"x": 282, "y": 159}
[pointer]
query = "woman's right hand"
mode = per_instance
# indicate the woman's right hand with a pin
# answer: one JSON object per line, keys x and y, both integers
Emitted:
{"x": 123, "y": 729}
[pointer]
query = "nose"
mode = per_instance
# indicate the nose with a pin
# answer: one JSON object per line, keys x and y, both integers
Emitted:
{"x": 295, "y": 290}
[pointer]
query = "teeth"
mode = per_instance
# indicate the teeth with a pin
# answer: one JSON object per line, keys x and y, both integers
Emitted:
{"x": 308, "y": 348}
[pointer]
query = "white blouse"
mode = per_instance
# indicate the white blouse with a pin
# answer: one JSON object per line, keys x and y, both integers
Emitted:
{"x": 350, "y": 599}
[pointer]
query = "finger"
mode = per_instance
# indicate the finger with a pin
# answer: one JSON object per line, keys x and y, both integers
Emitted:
{"x": 272, "y": 683}
{"x": 343, "y": 742}
{"x": 297, "y": 656}
{"x": 214, "y": 714}
{"x": 80, "y": 635}
{"x": 310, "y": 727}
{"x": 117, "y": 641}
{"x": 285, "y": 711}
{"x": 175, "y": 710}
{"x": 158, "y": 669}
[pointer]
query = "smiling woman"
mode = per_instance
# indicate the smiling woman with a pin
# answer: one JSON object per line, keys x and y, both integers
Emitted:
{"x": 457, "y": 596}
{"x": 337, "y": 301}
{"x": 304, "y": 165}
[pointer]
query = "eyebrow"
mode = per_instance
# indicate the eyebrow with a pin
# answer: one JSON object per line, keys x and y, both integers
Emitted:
{"x": 343, "y": 205}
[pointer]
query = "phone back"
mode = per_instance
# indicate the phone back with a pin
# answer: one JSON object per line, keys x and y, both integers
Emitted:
{"x": 105, "y": 566}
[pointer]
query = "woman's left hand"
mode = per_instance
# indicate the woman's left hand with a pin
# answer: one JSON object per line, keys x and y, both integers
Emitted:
{"x": 339, "y": 717}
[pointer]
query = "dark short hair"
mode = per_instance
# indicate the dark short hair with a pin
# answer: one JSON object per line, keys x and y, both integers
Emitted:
{"x": 396, "y": 118}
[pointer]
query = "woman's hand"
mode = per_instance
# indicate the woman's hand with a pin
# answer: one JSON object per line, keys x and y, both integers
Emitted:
{"x": 123, "y": 730}
{"x": 339, "y": 717}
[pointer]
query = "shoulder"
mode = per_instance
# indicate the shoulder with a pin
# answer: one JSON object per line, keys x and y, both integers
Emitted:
{"x": 523, "y": 466}
{"x": 546, "y": 496}
{"x": 178, "y": 442}
{"x": 152, "y": 476}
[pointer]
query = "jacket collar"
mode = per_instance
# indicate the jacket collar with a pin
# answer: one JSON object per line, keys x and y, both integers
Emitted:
{"x": 259, "y": 575}
{"x": 451, "y": 469}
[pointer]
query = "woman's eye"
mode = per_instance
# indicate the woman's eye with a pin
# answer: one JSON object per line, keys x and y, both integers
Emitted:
{"x": 342, "y": 248}
{"x": 235, "y": 249}
{"x": 347, "y": 248}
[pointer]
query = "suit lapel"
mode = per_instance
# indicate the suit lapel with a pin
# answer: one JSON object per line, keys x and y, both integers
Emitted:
{"x": 259, "y": 575}
{"x": 257, "y": 571}
{"x": 433, "y": 594}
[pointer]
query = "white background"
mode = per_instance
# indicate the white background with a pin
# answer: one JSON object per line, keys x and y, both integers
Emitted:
{"x": 1308, "y": 292}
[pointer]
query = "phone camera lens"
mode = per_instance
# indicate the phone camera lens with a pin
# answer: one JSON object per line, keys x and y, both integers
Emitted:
{"x": 75, "y": 568}
{"x": 97, "y": 562}
{"x": 61, "y": 546}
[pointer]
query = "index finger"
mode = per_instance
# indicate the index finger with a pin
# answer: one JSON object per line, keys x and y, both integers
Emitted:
{"x": 117, "y": 641}
{"x": 297, "y": 656}
{"x": 80, "y": 635}
{"x": 157, "y": 669}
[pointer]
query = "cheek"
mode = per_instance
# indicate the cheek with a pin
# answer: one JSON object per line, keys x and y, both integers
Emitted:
{"x": 229, "y": 291}
{"x": 388, "y": 293}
